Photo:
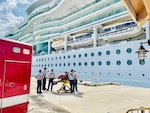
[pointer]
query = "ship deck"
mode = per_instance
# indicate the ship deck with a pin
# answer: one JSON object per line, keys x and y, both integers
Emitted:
{"x": 104, "y": 98}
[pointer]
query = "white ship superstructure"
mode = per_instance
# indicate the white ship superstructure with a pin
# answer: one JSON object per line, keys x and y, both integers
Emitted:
{"x": 97, "y": 38}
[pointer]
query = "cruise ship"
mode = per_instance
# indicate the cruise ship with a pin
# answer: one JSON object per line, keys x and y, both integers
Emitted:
{"x": 97, "y": 38}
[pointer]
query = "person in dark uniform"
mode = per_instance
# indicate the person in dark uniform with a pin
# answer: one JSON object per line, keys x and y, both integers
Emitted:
{"x": 44, "y": 79}
{"x": 39, "y": 78}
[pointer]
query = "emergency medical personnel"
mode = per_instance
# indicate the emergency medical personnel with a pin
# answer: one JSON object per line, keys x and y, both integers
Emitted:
{"x": 39, "y": 78}
{"x": 71, "y": 80}
{"x": 51, "y": 77}
{"x": 44, "y": 79}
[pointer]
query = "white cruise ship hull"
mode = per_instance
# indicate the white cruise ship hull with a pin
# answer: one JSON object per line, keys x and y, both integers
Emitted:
{"x": 97, "y": 65}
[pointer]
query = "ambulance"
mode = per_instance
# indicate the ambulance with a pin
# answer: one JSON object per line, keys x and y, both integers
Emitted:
{"x": 15, "y": 74}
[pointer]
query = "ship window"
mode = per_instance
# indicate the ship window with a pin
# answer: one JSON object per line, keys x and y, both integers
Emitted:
{"x": 68, "y": 56}
{"x": 60, "y": 64}
{"x": 74, "y": 64}
{"x": 56, "y": 65}
{"x": 64, "y": 64}
{"x": 99, "y": 53}
{"x": 118, "y": 51}
{"x": 99, "y": 63}
{"x": 51, "y": 65}
{"x": 60, "y": 57}
{"x": 48, "y": 58}
{"x": 68, "y": 64}
{"x": 36, "y": 60}
{"x": 118, "y": 62}
{"x": 129, "y": 62}
{"x": 56, "y": 58}
{"x": 79, "y": 63}
{"x": 79, "y": 55}
{"x": 129, "y": 50}
{"x": 48, "y": 65}
{"x": 108, "y": 62}
{"x": 64, "y": 57}
{"x": 107, "y": 52}
{"x": 92, "y": 63}
{"x": 142, "y": 62}
{"x": 85, "y": 63}
{"x": 92, "y": 54}
{"x": 74, "y": 56}
{"x": 85, "y": 54}
{"x": 52, "y": 58}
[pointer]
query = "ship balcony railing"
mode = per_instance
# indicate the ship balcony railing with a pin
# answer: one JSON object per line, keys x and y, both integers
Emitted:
{"x": 139, "y": 110}
{"x": 79, "y": 40}
{"x": 122, "y": 30}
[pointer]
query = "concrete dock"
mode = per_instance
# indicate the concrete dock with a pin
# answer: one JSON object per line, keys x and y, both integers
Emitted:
{"x": 107, "y": 98}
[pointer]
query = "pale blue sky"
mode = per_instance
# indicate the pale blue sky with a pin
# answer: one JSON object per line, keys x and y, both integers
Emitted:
{"x": 12, "y": 13}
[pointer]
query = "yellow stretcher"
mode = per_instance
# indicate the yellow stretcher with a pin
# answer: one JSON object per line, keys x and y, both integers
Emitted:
{"x": 64, "y": 86}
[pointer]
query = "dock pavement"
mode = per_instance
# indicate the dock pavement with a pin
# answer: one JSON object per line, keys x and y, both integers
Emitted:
{"x": 103, "y": 98}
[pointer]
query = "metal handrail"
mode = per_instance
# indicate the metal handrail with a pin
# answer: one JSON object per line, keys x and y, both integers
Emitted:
{"x": 139, "y": 110}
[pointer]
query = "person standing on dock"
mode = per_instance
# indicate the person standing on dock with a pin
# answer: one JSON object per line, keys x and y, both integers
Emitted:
{"x": 44, "y": 79}
{"x": 71, "y": 80}
{"x": 39, "y": 78}
{"x": 76, "y": 78}
{"x": 51, "y": 78}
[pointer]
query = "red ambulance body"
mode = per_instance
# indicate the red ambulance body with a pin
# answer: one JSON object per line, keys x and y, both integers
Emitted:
{"x": 15, "y": 73}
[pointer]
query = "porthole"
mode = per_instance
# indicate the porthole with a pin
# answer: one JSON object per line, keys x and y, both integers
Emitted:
{"x": 92, "y": 63}
{"x": 129, "y": 50}
{"x": 85, "y": 54}
{"x": 56, "y": 65}
{"x": 79, "y": 63}
{"x": 99, "y": 53}
{"x": 92, "y": 54}
{"x": 108, "y": 62}
{"x": 118, "y": 62}
{"x": 118, "y": 51}
{"x": 64, "y": 57}
{"x": 64, "y": 64}
{"x": 60, "y": 64}
{"x": 74, "y": 64}
{"x": 74, "y": 56}
{"x": 79, "y": 55}
{"x": 52, "y": 58}
{"x": 107, "y": 52}
{"x": 68, "y": 64}
{"x": 85, "y": 63}
{"x": 99, "y": 63}
{"x": 129, "y": 62}
{"x": 142, "y": 62}
{"x": 56, "y": 58}
{"x": 60, "y": 57}
{"x": 68, "y": 56}
{"x": 51, "y": 65}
